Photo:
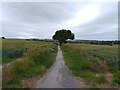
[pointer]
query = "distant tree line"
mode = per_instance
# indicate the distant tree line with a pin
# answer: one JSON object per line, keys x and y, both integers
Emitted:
{"x": 96, "y": 42}
{"x": 116, "y": 42}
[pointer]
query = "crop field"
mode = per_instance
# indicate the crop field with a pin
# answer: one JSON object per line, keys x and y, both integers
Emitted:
{"x": 13, "y": 49}
{"x": 0, "y": 63}
{"x": 26, "y": 61}
{"x": 22, "y": 59}
{"x": 97, "y": 64}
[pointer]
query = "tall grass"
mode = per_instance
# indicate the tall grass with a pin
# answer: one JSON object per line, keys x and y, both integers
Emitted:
{"x": 103, "y": 54}
{"x": 10, "y": 54}
{"x": 92, "y": 62}
{"x": 116, "y": 78}
{"x": 13, "y": 49}
{"x": 35, "y": 63}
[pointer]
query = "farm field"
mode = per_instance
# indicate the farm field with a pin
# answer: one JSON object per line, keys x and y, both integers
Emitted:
{"x": 25, "y": 61}
{"x": 13, "y": 49}
{"x": 0, "y": 63}
{"x": 97, "y": 64}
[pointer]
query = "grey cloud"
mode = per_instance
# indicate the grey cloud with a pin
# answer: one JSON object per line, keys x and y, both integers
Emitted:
{"x": 105, "y": 26}
{"x": 41, "y": 20}
{"x": 40, "y": 12}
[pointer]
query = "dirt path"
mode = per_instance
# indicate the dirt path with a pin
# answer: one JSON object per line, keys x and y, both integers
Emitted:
{"x": 58, "y": 76}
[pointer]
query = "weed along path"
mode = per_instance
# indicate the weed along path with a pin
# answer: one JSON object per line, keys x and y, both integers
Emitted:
{"x": 58, "y": 75}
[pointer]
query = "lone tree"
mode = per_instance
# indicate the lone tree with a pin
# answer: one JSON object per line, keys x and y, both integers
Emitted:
{"x": 3, "y": 37}
{"x": 63, "y": 35}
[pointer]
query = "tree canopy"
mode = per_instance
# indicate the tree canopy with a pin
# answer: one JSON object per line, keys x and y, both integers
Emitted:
{"x": 63, "y": 35}
{"x": 3, "y": 37}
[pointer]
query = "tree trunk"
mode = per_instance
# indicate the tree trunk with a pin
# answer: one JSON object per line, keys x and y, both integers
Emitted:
{"x": 60, "y": 43}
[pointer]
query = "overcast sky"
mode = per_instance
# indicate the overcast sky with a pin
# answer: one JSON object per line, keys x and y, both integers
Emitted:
{"x": 87, "y": 20}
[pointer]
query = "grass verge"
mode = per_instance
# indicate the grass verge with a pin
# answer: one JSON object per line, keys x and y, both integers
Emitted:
{"x": 37, "y": 61}
{"x": 93, "y": 72}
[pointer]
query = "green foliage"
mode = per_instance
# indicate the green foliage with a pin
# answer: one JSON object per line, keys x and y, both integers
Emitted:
{"x": 63, "y": 35}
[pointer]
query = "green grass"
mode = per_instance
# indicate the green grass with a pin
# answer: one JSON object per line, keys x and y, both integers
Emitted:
{"x": 79, "y": 65}
{"x": 100, "y": 79}
{"x": 13, "y": 49}
{"x": 116, "y": 77}
{"x": 87, "y": 61}
{"x": 35, "y": 62}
